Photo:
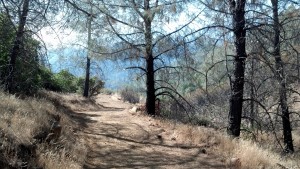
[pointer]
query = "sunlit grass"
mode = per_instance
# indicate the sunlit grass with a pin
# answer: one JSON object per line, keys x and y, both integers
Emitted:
{"x": 22, "y": 119}
{"x": 250, "y": 154}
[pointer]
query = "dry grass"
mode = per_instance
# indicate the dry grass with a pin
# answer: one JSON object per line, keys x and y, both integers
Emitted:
{"x": 250, "y": 154}
{"x": 21, "y": 120}
{"x": 71, "y": 101}
{"x": 62, "y": 159}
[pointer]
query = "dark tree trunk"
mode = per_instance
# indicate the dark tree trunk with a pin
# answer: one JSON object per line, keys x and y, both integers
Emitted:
{"x": 236, "y": 100}
{"x": 16, "y": 47}
{"x": 150, "y": 101}
{"x": 298, "y": 67}
{"x": 287, "y": 131}
{"x": 88, "y": 60}
{"x": 87, "y": 78}
{"x": 150, "y": 81}
{"x": 252, "y": 96}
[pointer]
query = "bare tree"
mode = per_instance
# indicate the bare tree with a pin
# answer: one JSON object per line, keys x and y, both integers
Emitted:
{"x": 237, "y": 9}
{"x": 280, "y": 75}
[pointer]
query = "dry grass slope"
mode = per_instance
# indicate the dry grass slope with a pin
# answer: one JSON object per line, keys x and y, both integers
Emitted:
{"x": 237, "y": 154}
{"x": 21, "y": 120}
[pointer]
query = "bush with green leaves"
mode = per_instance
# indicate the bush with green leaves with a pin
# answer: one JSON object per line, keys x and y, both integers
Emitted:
{"x": 6, "y": 39}
{"x": 66, "y": 81}
{"x": 30, "y": 75}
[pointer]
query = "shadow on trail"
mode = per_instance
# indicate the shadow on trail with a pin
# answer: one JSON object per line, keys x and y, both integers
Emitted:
{"x": 83, "y": 119}
{"x": 80, "y": 117}
{"x": 111, "y": 108}
{"x": 115, "y": 141}
{"x": 144, "y": 150}
{"x": 113, "y": 131}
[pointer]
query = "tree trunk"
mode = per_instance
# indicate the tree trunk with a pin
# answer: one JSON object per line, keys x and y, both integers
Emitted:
{"x": 252, "y": 96}
{"x": 287, "y": 131}
{"x": 236, "y": 100}
{"x": 298, "y": 68}
{"x": 87, "y": 78}
{"x": 16, "y": 47}
{"x": 150, "y": 81}
{"x": 88, "y": 60}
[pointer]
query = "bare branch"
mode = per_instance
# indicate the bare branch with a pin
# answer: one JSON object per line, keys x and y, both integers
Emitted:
{"x": 137, "y": 67}
{"x": 79, "y": 9}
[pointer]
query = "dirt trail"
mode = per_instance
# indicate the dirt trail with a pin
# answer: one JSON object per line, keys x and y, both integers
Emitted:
{"x": 118, "y": 139}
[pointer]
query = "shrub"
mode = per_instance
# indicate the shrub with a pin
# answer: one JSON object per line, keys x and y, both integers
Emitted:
{"x": 129, "y": 95}
{"x": 66, "y": 81}
{"x": 47, "y": 80}
{"x": 95, "y": 86}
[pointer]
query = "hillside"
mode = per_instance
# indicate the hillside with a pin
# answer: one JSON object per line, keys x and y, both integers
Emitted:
{"x": 118, "y": 137}
{"x": 37, "y": 133}
{"x": 107, "y": 133}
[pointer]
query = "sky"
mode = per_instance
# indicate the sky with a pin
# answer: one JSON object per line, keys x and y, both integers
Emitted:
{"x": 112, "y": 72}
{"x": 63, "y": 53}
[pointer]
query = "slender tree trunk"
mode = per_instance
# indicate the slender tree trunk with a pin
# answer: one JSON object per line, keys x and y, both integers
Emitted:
{"x": 88, "y": 60}
{"x": 236, "y": 100}
{"x": 298, "y": 68}
{"x": 252, "y": 96}
{"x": 287, "y": 131}
{"x": 16, "y": 47}
{"x": 150, "y": 81}
{"x": 87, "y": 78}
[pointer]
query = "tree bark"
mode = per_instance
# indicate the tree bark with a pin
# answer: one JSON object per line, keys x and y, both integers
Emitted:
{"x": 236, "y": 100}
{"x": 150, "y": 81}
{"x": 287, "y": 131}
{"x": 88, "y": 60}
{"x": 16, "y": 47}
{"x": 87, "y": 78}
{"x": 252, "y": 96}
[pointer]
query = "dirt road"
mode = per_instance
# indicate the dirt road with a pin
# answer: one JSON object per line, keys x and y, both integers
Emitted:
{"x": 118, "y": 139}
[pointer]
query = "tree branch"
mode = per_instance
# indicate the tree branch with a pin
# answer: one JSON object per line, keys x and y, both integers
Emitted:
{"x": 80, "y": 9}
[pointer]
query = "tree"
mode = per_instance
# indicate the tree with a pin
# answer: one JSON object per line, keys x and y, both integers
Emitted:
{"x": 88, "y": 60}
{"x": 274, "y": 36}
{"x": 237, "y": 9}
{"x": 85, "y": 8}
{"x": 280, "y": 75}
{"x": 16, "y": 46}
{"x": 150, "y": 81}
{"x": 28, "y": 75}
{"x": 6, "y": 38}
{"x": 26, "y": 18}
{"x": 139, "y": 35}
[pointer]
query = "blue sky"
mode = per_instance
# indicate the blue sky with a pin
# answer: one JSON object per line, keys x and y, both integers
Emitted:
{"x": 113, "y": 72}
